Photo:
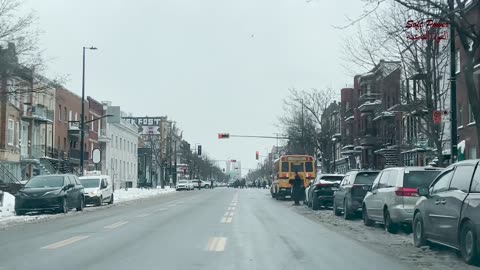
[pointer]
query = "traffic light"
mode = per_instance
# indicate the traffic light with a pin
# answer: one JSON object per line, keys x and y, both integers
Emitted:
{"x": 257, "y": 154}
{"x": 199, "y": 150}
{"x": 223, "y": 135}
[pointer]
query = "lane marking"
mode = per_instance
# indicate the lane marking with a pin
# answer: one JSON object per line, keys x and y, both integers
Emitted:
{"x": 65, "y": 242}
{"x": 171, "y": 205}
{"x": 144, "y": 215}
{"x": 231, "y": 214}
{"x": 231, "y": 208}
{"x": 116, "y": 225}
{"x": 160, "y": 209}
{"x": 217, "y": 244}
{"x": 223, "y": 220}
{"x": 226, "y": 220}
{"x": 227, "y": 213}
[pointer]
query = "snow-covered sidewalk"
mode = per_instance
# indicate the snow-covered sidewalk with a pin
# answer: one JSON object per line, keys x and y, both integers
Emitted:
{"x": 7, "y": 210}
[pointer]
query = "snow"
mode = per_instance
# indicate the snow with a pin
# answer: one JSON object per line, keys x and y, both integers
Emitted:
{"x": 461, "y": 146}
{"x": 7, "y": 209}
{"x": 122, "y": 195}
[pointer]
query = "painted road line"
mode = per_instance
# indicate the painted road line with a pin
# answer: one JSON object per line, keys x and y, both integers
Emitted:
{"x": 160, "y": 209}
{"x": 233, "y": 204}
{"x": 226, "y": 220}
{"x": 227, "y": 214}
{"x": 144, "y": 215}
{"x": 231, "y": 208}
{"x": 217, "y": 244}
{"x": 231, "y": 214}
{"x": 65, "y": 242}
{"x": 223, "y": 220}
{"x": 116, "y": 225}
{"x": 171, "y": 205}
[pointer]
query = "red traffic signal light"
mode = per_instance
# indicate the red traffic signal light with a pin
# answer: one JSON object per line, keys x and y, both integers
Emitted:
{"x": 223, "y": 135}
{"x": 257, "y": 154}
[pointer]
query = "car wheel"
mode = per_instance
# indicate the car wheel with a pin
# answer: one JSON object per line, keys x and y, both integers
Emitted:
{"x": 111, "y": 199}
{"x": 366, "y": 220}
{"x": 315, "y": 203}
{"x": 388, "y": 223}
{"x": 346, "y": 212}
{"x": 64, "y": 206}
{"x": 336, "y": 211}
{"x": 468, "y": 243}
{"x": 418, "y": 231}
{"x": 81, "y": 205}
{"x": 207, "y": 186}
{"x": 100, "y": 201}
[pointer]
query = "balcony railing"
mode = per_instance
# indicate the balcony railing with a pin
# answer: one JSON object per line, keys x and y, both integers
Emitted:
{"x": 75, "y": 154}
{"x": 40, "y": 113}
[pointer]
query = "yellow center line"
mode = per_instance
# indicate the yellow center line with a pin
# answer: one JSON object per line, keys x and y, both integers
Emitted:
{"x": 115, "y": 225}
{"x": 144, "y": 215}
{"x": 65, "y": 242}
{"x": 217, "y": 244}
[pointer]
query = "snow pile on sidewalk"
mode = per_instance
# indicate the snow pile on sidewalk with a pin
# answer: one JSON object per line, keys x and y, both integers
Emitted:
{"x": 8, "y": 206}
{"x": 122, "y": 195}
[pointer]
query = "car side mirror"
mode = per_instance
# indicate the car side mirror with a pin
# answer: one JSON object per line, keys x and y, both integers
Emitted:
{"x": 69, "y": 186}
{"x": 423, "y": 191}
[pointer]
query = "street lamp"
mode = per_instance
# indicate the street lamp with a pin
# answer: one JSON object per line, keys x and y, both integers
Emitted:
{"x": 82, "y": 121}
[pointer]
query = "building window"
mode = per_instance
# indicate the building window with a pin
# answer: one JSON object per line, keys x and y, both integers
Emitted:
{"x": 92, "y": 125}
{"x": 471, "y": 119}
{"x": 17, "y": 134}
{"x": 473, "y": 152}
{"x": 59, "y": 112}
{"x": 65, "y": 114}
{"x": 457, "y": 61}
{"x": 460, "y": 115}
{"x": 99, "y": 125}
{"x": 11, "y": 131}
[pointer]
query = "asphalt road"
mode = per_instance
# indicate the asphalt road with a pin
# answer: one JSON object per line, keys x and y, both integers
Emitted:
{"x": 221, "y": 228}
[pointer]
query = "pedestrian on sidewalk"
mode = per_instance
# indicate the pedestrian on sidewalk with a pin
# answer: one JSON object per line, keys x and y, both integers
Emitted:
{"x": 297, "y": 188}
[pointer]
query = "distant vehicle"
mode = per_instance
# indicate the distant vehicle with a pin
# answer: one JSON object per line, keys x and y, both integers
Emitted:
{"x": 351, "y": 192}
{"x": 284, "y": 169}
{"x": 184, "y": 185}
{"x": 393, "y": 196}
{"x": 203, "y": 184}
{"x": 320, "y": 192}
{"x": 56, "y": 192}
{"x": 448, "y": 212}
{"x": 98, "y": 189}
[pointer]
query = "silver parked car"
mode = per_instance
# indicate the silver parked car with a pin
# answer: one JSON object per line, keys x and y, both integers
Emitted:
{"x": 393, "y": 195}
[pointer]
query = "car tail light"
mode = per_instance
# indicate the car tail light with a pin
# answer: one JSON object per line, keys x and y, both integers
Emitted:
{"x": 406, "y": 192}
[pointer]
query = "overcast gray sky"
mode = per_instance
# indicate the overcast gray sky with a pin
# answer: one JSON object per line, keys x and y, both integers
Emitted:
{"x": 211, "y": 65}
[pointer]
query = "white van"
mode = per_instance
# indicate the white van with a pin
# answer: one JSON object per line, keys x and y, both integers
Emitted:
{"x": 98, "y": 188}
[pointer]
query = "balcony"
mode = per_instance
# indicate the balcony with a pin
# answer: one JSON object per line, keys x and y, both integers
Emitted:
{"x": 75, "y": 154}
{"x": 103, "y": 136}
{"x": 369, "y": 140}
{"x": 349, "y": 116}
{"x": 74, "y": 130}
{"x": 39, "y": 113}
{"x": 369, "y": 106}
{"x": 384, "y": 115}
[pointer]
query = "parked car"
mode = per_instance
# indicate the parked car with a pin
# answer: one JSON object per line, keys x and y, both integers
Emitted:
{"x": 57, "y": 192}
{"x": 393, "y": 196}
{"x": 320, "y": 192}
{"x": 98, "y": 189}
{"x": 353, "y": 188}
{"x": 448, "y": 212}
{"x": 184, "y": 185}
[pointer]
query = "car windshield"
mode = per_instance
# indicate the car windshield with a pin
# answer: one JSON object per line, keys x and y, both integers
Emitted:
{"x": 90, "y": 182}
{"x": 416, "y": 179}
{"x": 365, "y": 178}
{"x": 45, "y": 181}
{"x": 182, "y": 182}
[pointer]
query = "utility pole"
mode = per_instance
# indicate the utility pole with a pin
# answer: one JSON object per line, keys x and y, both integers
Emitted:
{"x": 303, "y": 127}
{"x": 453, "y": 85}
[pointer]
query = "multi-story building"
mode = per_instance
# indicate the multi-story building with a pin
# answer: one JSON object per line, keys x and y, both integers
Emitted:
{"x": 96, "y": 112}
{"x": 120, "y": 156}
{"x": 330, "y": 137}
{"x": 466, "y": 125}
{"x": 371, "y": 133}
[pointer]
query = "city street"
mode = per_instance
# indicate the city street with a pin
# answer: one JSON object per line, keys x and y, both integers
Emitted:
{"x": 207, "y": 229}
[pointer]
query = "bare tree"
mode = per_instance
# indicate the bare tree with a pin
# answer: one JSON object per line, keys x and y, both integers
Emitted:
{"x": 427, "y": 60}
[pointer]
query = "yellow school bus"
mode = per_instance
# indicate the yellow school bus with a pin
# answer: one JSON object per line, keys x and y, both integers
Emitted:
{"x": 284, "y": 169}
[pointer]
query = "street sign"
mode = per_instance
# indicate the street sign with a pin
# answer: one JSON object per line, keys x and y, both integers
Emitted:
{"x": 437, "y": 117}
{"x": 96, "y": 155}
